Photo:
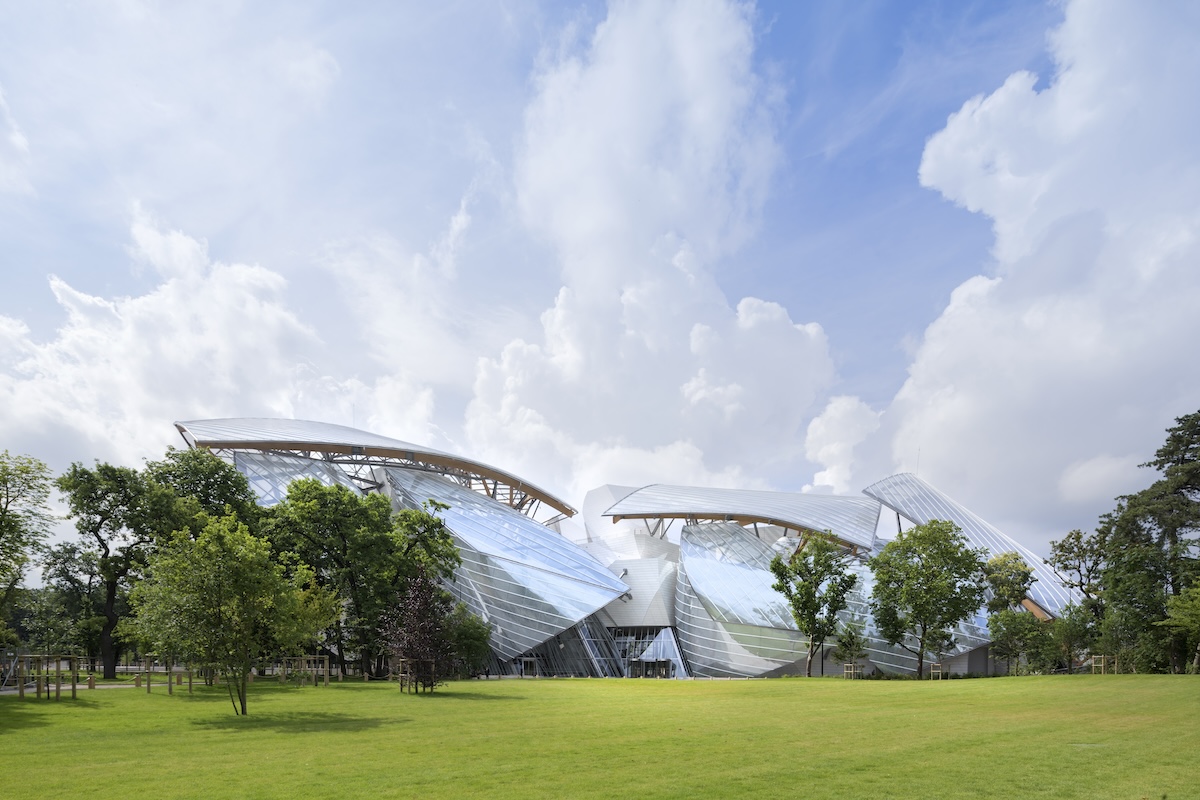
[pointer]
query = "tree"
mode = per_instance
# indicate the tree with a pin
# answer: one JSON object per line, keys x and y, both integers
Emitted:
{"x": 73, "y": 573}
{"x": 1078, "y": 560}
{"x": 416, "y": 627}
{"x": 49, "y": 628}
{"x": 221, "y": 600}
{"x": 469, "y": 641}
{"x": 1183, "y": 616}
{"x": 926, "y": 581}
{"x": 1070, "y": 636}
{"x": 1151, "y": 552}
{"x": 815, "y": 581}
{"x": 1009, "y": 578}
{"x": 1015, "y": 634}
{"x": 213, "y": 483}
{"x": 362, "y": 552}
{"x": 118, "y": 512}
{"x": 24, "y": 520}
{"x": 851, "y": 643}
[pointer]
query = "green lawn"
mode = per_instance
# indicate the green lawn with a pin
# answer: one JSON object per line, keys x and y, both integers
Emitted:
{"x": 1079, "y": 736}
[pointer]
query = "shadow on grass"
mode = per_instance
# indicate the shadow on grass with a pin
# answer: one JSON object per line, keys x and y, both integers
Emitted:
{"x": 17, "y": 714}
{"x": 295, "y": 722}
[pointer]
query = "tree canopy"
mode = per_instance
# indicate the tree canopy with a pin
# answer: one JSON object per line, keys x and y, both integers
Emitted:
{"x": 927, "y": 580}
{"x": 363, "y": 553}
{"x": 1009, "y": 578}
{"x": 24, "y": 521}
{"x": 220, "y": 599}
{"x": 815, "y": 582}
{"x": 119, "y": 513}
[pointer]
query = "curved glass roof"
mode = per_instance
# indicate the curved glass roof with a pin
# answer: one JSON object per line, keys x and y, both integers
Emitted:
{"x": 911, "y": 497}
{"x": 524, "y": 578}
{"x": 730, "y": 571}
{"x": 851, "y": 519}
{"x": 340, "y": 442}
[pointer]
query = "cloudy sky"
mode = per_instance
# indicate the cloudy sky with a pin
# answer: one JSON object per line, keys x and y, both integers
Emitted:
{"x": 783, "y": 245}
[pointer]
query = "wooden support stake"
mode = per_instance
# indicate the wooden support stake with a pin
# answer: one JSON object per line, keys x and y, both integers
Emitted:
{"x": 21, "y": 678}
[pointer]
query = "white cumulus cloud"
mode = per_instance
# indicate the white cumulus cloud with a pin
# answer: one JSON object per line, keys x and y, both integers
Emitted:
{"x": 1077, "y": 346}
{"x": 643, "y": 369}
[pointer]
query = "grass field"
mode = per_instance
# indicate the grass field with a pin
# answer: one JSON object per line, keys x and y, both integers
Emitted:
{"x": 1079, "y": 736}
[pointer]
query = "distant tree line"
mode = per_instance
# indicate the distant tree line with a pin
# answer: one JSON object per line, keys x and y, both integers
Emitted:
{"x": 178, "y": 559}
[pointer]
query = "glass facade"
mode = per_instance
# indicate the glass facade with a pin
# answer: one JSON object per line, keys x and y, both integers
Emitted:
{"x": 270, "y": 473}
{"x": 638, "y": 598}
{"x": 852, "y": 519}
{"x": 526, "y": 580}
{"x": 731, "y": 622}
{"x": 917, "y": 501}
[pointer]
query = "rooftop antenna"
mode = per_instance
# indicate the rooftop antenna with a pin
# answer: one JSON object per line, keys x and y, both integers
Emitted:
{"x": 918, "y": 473}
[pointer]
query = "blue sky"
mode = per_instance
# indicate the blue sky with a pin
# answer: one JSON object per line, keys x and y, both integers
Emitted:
{"x": 797, "y": 246}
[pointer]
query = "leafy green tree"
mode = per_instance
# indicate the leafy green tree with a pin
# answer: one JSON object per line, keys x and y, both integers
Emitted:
{"x": 49, "y": 627}
{"x": 118, "y": 512}
{"x": 1078, "y": 560}
{"x": 1009, "y": 578}
{"x": 1069, "y": 637}
{"x": 1151, "y": 548}
{"x": 1015, "y": 634}
{"x": 213, "y": 483}
{"x": 363, "y": 553}
{"x": 927, "y": 580}
{"x": 815, "y": 582}
{"x": 222, "y": 600}
{"x": 1183, "y": 616}
{"x": 851, "y": 643}
{"x": 1141, "y": 574}
{"x": 469, "y": 641}
{"x": 73, "y": 572}
{"x": 24, "y": 522}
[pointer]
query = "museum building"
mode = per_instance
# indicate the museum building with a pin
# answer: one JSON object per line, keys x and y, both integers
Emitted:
{"x": 664, "y": 581}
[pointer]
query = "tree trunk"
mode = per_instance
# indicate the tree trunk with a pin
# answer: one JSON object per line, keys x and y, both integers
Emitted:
{"x": 108, "y": 652}
{"x": 1196, "y": 660}
{"x": 242, "y": 686}
{"x": 921, "y": 660}
{"x": 812, "y": 646}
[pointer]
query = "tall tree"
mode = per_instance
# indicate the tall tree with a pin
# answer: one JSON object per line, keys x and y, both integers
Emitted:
{"x": 1183, "y": 616}
{"x": 1070, "y": 636}
{"x": 1015, "y": 634}
{"x": 1078, "y": 560}
{"x": 118, "y": 512}
{"x": 363, "y": 553}
{"x": 927, "y": 580}
{"x": 214, "y": 484}
{"x": 815, "y": 582}
{"x": 24, "y": 521}
{"x": 222, "y": 600}
{"x": 73, "y": 572}
{"x": 1009, "y": 578}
